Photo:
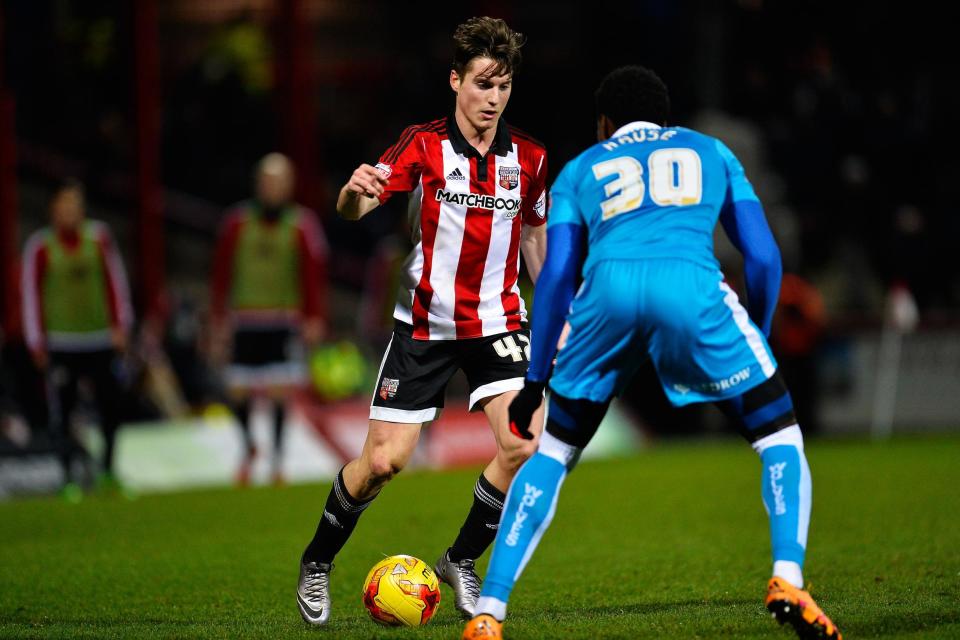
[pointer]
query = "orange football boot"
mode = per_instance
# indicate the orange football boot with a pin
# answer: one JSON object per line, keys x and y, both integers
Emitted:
{"x": 483, "y": 627}
{"x": 789, "y": 604}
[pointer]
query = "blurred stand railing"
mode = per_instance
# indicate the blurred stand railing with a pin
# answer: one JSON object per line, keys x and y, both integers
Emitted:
{"x": 865, "y": 386}
{"x": 114, "y": 185}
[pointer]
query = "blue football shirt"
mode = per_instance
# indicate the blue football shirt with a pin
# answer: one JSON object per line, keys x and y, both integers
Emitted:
{"x": 650, "y": 192}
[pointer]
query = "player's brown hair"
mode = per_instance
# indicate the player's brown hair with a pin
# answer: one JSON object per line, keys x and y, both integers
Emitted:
{"x": 68, "y": 184}
{"x": 485, "y": 37}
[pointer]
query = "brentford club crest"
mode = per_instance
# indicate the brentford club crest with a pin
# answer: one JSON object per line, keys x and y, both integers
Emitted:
{"x": 388, "y": 388}
{"x": 509, "y": 177}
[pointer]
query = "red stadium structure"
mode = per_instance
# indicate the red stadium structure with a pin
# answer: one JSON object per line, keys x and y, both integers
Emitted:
{"x": 9, "y": 251}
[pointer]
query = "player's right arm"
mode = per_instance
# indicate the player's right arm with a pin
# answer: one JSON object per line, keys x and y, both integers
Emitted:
{"x": 398, "y": 170}
{"x": 361, "y": 194}
{"x": 221, "y": 283}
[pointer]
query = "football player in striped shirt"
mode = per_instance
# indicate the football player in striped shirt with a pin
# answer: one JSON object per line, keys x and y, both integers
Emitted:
{"x": 476, "y": 201}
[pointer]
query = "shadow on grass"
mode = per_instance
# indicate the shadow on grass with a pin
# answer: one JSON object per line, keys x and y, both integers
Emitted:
{"x": 873, "y": 626}
{"x": 927, "y": 622}
{"x": 908, "y": 622}
{"x": 638, "y": 608}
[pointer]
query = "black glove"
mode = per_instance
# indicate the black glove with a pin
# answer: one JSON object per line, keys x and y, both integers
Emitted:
{"x": 522, "y": 408}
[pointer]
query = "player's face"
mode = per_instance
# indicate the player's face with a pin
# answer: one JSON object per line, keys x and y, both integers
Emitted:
{"x": 66, "y": 210}
{"x": 481, "y": 97}
{"x": 274, "y": 188}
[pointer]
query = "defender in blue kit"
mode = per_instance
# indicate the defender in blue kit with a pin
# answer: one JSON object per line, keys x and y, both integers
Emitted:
{"x": 634, "y": 215}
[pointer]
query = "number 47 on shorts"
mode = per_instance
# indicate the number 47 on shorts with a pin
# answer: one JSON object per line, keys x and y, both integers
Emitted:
{"x": 507, "y": 347}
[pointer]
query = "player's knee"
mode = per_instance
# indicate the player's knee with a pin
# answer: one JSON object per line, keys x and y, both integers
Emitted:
{"x": 762, "y": 411}
{"x": 570, "y": 427}
{"x": 513, "y": 457}
{"x": 382, "y": 467}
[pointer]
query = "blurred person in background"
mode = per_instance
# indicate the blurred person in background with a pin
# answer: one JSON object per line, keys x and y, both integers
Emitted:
{"x": 798, "y": 330}
{"x": 268, "y": 292}
{"x": 77, "y": 319}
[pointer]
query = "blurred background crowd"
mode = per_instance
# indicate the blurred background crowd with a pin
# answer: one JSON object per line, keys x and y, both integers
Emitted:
{"x": 162, "y": 111}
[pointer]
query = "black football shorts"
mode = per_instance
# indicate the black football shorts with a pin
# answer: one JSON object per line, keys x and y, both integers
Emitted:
{"x": 263, "y": 357}
{"x": 415, "y": 373}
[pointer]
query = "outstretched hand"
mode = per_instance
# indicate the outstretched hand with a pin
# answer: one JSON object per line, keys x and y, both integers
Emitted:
{"x": 522, "y": 408}
{"x": 367, "y": 181}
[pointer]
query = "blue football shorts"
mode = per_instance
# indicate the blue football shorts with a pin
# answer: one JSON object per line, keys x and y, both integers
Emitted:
{"x": 680, "y": 314}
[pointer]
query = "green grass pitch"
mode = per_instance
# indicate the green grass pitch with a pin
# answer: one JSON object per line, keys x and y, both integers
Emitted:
{"x": 668, "y": 543}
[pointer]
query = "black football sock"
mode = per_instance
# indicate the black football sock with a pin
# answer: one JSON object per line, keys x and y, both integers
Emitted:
{"x": 279, "y": 422}
{"x": 110, "y": 441}
{"x": 480, "y": 527}
{"x": 242, "y": 411}
{"x": 340, "y": 516}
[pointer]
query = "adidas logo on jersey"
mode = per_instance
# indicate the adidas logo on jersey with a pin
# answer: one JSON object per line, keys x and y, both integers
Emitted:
{"x": 456, "y": 174}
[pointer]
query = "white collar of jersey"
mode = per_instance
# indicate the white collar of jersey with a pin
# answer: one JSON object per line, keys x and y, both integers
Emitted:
{"x": 638, "y": 124}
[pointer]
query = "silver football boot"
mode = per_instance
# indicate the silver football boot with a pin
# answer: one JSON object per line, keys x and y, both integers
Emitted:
{"x": 464, "y": 581}
{"x": 313, "y": 592}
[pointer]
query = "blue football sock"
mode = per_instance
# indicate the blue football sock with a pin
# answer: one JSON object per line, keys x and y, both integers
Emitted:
{"x": 787, "y": 493}
{"x": 529, "y": 508}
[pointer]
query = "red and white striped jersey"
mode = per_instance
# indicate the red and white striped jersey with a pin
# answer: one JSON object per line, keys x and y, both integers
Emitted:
{"x": 466, "y": 213}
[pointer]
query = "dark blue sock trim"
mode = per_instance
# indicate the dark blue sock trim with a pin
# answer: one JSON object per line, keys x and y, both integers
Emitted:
{"x": 574, "y": 421}
{"x": 560, "y": 415}
{"x": 769, "y": 412}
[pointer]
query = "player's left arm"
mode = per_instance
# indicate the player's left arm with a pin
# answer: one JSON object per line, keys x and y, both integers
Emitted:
{"x": 313, "y": 277}
{"x": 118, "y": 289}
{"x": 533, "y": 245}
{"x": 221, "y": 276}
{"x": 533, "y": 235}
{"x": 555, "y": 291}
{"x": 746, "y": 225}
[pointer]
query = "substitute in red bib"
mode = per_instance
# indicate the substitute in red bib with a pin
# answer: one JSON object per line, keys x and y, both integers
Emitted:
{"x": 268, "y": 292}
{"x": 77, "y": 319}
{"x": 476, "y": 200}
